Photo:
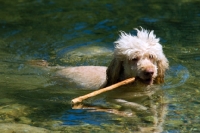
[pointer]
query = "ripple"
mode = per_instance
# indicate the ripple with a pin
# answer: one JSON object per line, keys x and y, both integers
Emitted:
{"x": 176, "y": 76}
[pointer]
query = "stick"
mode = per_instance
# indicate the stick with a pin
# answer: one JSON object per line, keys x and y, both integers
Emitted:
{"x": 97, "y": 92}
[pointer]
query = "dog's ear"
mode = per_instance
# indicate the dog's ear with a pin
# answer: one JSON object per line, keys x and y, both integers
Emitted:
{"x": 162, "y": 66}
{"x": 114, "y": 71}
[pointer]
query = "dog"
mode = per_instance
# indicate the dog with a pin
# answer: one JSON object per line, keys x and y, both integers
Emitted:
{"x": 140, "y": 56}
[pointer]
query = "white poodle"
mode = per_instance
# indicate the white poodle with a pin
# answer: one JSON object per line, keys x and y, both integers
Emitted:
{"x": 138, "y": 56}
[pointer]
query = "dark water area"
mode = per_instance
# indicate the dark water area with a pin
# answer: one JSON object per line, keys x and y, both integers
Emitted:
{"x": 82, "y": 32}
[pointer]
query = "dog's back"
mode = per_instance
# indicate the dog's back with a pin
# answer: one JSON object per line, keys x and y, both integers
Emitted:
{"x": 86, "y": 77}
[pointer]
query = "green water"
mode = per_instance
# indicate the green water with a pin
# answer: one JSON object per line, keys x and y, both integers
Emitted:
{"x": 82, "y": 32}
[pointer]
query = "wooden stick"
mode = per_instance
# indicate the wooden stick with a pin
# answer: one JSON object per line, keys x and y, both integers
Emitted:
{"x": 97, "y": 92}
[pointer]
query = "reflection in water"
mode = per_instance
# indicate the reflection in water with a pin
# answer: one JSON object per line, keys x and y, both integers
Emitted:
{"x": 66, "y": 33}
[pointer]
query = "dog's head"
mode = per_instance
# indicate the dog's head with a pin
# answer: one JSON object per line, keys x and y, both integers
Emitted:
{"x": 138, "y": 56}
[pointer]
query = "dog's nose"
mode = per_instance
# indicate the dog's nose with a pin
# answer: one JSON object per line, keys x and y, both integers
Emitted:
{"x": 149, "y": 72}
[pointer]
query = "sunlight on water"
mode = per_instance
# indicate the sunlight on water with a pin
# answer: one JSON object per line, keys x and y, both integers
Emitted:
{"x": 74, "y": 33}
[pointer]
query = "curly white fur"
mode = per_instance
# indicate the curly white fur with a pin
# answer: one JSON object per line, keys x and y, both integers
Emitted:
{"x": 133, "y": 46}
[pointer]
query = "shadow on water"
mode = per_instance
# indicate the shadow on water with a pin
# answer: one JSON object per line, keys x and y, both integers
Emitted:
{"x": 71, "y": 33}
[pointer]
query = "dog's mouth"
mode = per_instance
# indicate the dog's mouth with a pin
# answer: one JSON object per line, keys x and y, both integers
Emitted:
{"x": 147, "y": 81}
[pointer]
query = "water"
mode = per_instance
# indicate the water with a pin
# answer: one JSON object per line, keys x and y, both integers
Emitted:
{"x": 71, "y": 33}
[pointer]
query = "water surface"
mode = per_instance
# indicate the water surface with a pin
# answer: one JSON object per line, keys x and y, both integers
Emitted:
{"x": 73, "y": 33}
